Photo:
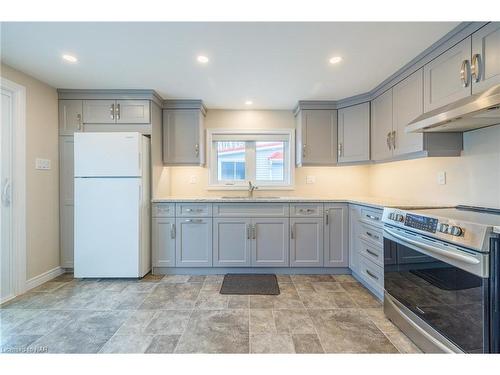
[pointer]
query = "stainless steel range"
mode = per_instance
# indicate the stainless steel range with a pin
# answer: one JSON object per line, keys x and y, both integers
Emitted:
{"x": 442, "y": 277}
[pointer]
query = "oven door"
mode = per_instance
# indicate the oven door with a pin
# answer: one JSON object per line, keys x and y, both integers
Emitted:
{"x": 445, "y": 286}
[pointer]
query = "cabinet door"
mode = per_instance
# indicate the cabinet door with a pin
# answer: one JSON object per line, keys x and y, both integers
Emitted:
{"x": 319, "y": 137}
{"x": 354, "y": 242}
{"x": 336, "y": 235}
{"x": 99, "y": 111}
{"x": 163, "y": 232}
{"x": 231, "y": 242}
{"x": 486, "y": 56}
{"x": 132, "y": 112}
{"x": 193, "y": 245}
{"x": 70, "y": 116}
{"x": 306, "y": 242}
{"x": 408, "y": 103}
{"x": 381, "y": 126}
{"x": 181, "y": 137}
{"x": 270, "y": 245}
{"x": 66, "y": 200}
{"x": 354, "y": 133}
{"x": 442, "y": 79}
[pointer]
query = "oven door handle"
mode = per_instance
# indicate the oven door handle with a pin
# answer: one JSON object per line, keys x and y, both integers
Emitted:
{"x": 432, "y": 249}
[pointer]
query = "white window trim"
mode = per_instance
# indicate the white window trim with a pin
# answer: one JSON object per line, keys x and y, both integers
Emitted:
{"x": 213, "y": 183}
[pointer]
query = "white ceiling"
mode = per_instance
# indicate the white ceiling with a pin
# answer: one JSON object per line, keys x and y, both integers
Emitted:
{"x": 273, "y": 64}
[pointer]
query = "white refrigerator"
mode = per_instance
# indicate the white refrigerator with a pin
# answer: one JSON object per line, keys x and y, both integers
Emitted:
{"x": 112, "y": 205}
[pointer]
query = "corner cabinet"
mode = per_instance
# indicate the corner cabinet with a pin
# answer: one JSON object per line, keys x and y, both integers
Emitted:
{"x": 316, "y": 142}
{"x": 354, "y": 133}
{"x": 336, "y": 235}
{"x": 393, "y": 111}
{"x": 183, "y": 137}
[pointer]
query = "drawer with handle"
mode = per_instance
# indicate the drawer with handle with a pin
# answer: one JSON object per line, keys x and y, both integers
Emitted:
{"x": 193, "y": 209}
{"x": 371, "y": 216}
{"x": 163, "y": 210}
{"x": 372, "y": 252}
{"x": 371, "y": 234}
{"x": 306, "y": 210}
{"x": 372, "y": 274}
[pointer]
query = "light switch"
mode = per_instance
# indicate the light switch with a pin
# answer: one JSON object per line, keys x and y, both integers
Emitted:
{"x": 192, "y": 180}
{"x": 441, "y": 178}
{"x": 310, "y": 179}
{"x": 42, "y": 164}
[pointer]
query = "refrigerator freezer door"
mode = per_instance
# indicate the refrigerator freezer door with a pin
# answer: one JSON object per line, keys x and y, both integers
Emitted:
{"x": 108, "y": 154}
{"x": 107, "y": 227}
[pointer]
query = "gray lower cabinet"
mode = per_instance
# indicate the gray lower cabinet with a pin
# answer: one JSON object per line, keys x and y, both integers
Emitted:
{"x": 336, "y": 235}
{"x": 270, "y": 245}
{"x": 193, "y": 245}
{"x": 306, "y": 242}
{"x": 66, "y": 200}
{"x": 163, "y": 232}
{"x": 232, "y": 242}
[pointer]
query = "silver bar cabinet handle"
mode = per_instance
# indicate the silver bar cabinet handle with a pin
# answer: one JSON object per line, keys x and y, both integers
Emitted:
{"x": 197, "y": 149}
{"x": 327, "y": 218}
{"x": 476, "y": 67}
{"x": 371, "y": 275}
{"x": 254, "y": 232}
{"x": 248, "y": 231}
{"x": 291, "y": 231}
{"x": 118, "y": 111}
{"x": 79, "y": 120}
{"x": 172, "y": 231}
{"x": 393, "y": 139}
{"x": 304, "y": 150}
{"x": 112, "y": 111}
{"x": 372, "y": 253}
{"x": 465, "y": 73}
{"x": 388, "y": 140}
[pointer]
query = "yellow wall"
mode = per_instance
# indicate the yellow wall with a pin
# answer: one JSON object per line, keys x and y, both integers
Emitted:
{"x": 42, "y": 187}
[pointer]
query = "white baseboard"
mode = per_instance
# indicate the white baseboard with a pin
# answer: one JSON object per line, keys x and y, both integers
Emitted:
{"x": 44, "y": 277}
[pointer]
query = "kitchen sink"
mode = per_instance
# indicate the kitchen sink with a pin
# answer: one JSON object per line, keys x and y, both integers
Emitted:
{"x": 248, "y": 198}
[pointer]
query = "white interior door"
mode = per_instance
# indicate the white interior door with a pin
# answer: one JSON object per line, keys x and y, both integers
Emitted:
{"x": 7, "y": 289}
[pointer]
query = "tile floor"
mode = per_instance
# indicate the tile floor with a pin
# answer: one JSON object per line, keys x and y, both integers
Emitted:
{"x": 186, "y": 314}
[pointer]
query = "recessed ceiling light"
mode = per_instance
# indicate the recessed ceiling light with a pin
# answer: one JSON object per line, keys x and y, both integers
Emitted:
{"x": 335, "y": 59}
{"x": 202, "y": 59}
{"x": 70, "y": 58}
{"x": 248, "y": 102}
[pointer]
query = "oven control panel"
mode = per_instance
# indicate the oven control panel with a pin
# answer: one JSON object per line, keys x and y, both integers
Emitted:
{"x": 424, "y": 223}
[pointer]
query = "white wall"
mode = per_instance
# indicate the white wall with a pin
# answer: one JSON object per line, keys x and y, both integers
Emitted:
{"x": 473, "y": 178}
{"x": 330, "y": 181}
{"x": 42, "y": 187}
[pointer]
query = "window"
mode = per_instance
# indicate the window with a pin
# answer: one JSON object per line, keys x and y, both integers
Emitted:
{"x": 238, "y": 157}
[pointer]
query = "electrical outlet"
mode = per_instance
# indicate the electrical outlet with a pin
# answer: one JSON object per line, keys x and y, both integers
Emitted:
{"x": 193, "y": 180}
{"x": 310, "y": 179}
{"x": 441, "y": 178}
{"x": 42, "y": 164}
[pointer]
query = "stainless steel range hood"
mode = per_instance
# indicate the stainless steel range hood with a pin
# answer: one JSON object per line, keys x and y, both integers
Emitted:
{"x": 474, "y": 112}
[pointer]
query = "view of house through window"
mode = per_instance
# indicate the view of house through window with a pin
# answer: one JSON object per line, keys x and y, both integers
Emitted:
{"x": 261, "y": 159}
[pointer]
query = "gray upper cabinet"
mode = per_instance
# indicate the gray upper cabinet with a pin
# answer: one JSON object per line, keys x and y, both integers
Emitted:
{"x": 116, "y": 112}
{"x": 193, "y": 245}
{"x": 163, "y": 233}
{"x": 270, "y": 245}
{"x": 444, "y": 81}
{"x": 99, "y": 111}
{"x": 306, "y": 242}
{"x": 354, "y": 133}
{"x": 70, "y": 116}
{"x": 485, "y": 58}
{"x": 381, "y": 126}
{"x": 316, "y": 137}
{"x": 336, "y": 235}
{"x": 183, "y": 137}
{"x": 407, "y": 105}
{"x": 133, "y": 112}
{"x": 232, "y": 242}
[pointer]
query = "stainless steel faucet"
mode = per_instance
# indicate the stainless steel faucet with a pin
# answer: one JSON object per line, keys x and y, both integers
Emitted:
{"x": 251, "y": 188}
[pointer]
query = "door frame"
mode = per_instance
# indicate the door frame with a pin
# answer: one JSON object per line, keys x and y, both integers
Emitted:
{"x": 18, "y": 133}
